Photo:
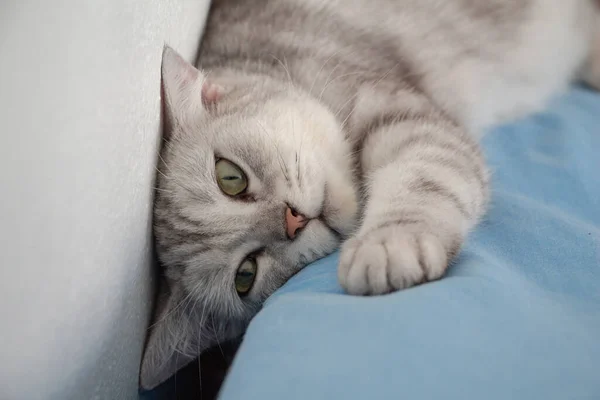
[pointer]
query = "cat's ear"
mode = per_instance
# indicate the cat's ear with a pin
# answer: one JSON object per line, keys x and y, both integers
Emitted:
{"x": 186, "y": 89}
{"x": 174, "y": 338}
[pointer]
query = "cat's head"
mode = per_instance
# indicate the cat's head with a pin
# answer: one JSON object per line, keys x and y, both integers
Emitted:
{"x": 255, "y": 182}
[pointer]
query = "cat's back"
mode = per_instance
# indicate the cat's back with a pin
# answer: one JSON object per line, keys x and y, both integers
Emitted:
{"x": 465, "y": 54}
{"x": 365, "y": 37}
{"x": 465, "y": 23}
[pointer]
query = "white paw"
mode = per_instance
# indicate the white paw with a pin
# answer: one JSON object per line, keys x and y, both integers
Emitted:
{"x": 391, "y": 258}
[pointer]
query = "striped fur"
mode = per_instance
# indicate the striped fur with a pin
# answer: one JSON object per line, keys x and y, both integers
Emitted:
{"x": 363, "y": 116}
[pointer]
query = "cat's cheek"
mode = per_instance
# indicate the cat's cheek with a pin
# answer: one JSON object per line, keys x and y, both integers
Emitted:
{"x": 342, "y": 207}
{"x": 315, "y": 241}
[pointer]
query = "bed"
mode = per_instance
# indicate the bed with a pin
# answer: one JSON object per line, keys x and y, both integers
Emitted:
{"x": 517, "y": 316}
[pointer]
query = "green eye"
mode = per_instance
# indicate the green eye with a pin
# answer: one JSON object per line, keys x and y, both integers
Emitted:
{"x": 244, "y": 278}
{"x": 230, "y": 178}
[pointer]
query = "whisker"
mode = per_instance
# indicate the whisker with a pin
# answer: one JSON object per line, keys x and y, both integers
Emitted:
{"x": 186, "y": 299}
{"x": 168, "y": 314}
{"x": 217, "y": 338}
{"x": 323, "y": 66}
{"x": 200, "y": 375}
{"x": 172, "y": 179}
{"x": 297, "y": 169}
{"x": 280, "y": 158}
{"x": 297, "y": 154}
{"x": 351, "y": 98}
{"x": 160, "y": 172}
{"x": 166, "y": 144}
{"x": 339, "y": 77}
{"x": 299, "y": 159}
{"x": 176, "y": 363}
{"x": 343, "y": 124}
{"x": 345, "y": 121}
{"x": 162, "y": 190}
{"x": 385, "y": 75}
{"x": 354, "y": 153}
{"x": 327, "y": 80}
{"x": 163, "y": 161}
{"x": 285, "y": 68}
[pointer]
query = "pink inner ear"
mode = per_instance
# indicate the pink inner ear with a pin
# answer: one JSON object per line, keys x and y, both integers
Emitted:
{"x": 211, "y": 93}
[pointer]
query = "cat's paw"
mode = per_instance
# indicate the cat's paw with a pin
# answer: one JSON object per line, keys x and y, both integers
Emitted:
{"x": 391, "y": 258}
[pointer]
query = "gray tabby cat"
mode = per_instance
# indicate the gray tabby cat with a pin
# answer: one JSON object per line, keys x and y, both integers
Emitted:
{"x": 312, "y": 124}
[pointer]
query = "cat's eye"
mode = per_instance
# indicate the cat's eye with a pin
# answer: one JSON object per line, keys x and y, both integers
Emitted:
{"x": 230, "y": 178}
{"x": 244, "y": 278}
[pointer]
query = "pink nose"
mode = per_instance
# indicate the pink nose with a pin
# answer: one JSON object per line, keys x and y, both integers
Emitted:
{"x": 294, "y": 222}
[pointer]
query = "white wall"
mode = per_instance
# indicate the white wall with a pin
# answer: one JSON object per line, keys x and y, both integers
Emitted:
{"x": 79, "y": 121}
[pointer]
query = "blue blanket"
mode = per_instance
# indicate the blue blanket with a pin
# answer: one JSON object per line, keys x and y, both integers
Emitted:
{"x": 517, "y": 317}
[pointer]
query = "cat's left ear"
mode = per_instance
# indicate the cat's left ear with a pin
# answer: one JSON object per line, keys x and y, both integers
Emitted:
{"x": 187, "y": 91}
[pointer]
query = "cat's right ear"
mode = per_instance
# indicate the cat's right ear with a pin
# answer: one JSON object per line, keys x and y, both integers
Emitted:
{"x": 186, "y": 90}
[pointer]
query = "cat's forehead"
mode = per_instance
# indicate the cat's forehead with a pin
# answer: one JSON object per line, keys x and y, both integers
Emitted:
{"x": 298, "y": 115}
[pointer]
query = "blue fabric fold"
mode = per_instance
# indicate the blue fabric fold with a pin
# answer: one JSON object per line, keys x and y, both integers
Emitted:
{"x": 517, "y": 316}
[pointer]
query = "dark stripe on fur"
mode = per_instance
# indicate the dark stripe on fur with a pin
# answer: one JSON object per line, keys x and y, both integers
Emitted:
{"x": 427, "y": 185}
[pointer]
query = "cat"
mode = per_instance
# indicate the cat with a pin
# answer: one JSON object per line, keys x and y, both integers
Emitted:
{"x": 312, "y": 124}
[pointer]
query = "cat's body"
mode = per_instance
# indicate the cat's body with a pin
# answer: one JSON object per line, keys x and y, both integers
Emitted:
{"x": 348, "y": 120}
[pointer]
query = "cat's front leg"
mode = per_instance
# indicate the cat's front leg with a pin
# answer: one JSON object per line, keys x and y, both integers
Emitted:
{"x": 427, "y": 185}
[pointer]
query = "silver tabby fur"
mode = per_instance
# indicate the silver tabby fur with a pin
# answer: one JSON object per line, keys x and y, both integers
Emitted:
{"x": 362, "y": 115}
